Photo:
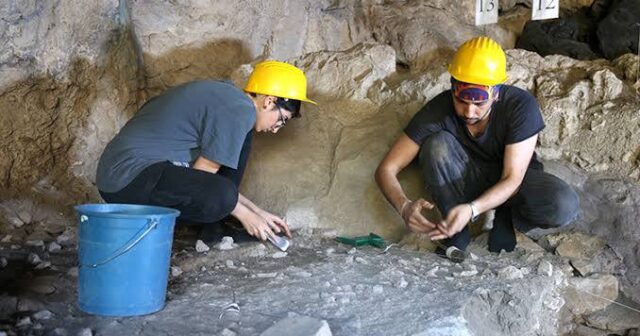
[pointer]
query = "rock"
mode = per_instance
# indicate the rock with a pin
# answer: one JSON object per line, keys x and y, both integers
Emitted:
{"x": 353, "y": 250}
{"x": 615, "y": 317}
{"x": 73, "y": 271}
{"x": 361, "y": 261}
{"x": 582, "y": 330}
{"x": 43, "y": 265}
{"x": 587, "y": 254}
{"x": 229, "y": 263}
{"x": 545, "y": 268}
{"x": 564, "y": 36}
{"x": 65, "y": 239}
{"x": 85, "y": 332}
{"x": 584, "y": 295}
{"x": 228, "y": 332}
{"x": 378, "y": 289}
{"x": 33, "y": 259}
{"x": 54, "y": 247}
{"x": 25, "y": 216}
{"x": 6, "y": 239}
{"x": 37, "y": 243}
{"x": 201, "y": 246}
{"x": 402, "y": 283}
{"x": 267, "y": 275}
{"x": 24, "y": 322}
{"x": 510, "y": 273}
{"x": 42, "y": 315}
{"x": 614, "y": 33}
{"x": 59, "y": 332}
{"x": 226, "y": 244}
{"x": 279, "y": 255}
{"x": 176, "y": 271}
{"x": 298, "y": 326}
{"x": 16, "y": 222}
{"x": 3, "y": 262}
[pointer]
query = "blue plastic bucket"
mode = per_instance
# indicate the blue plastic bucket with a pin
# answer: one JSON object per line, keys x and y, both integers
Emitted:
{"x": 124, "y": 256}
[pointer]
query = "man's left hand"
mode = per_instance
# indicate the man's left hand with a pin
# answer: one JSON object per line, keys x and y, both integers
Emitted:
{"x": 457, "y": 219}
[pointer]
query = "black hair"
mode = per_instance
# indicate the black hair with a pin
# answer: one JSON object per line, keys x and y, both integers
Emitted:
{"x": 291, "y": 105}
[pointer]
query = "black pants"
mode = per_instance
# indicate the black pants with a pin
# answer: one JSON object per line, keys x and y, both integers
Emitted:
{"x": 200, "y": 196}
{"x": 454, "y": 177}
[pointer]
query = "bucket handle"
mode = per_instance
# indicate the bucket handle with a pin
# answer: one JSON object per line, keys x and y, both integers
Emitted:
{"x": 151, "y": 224}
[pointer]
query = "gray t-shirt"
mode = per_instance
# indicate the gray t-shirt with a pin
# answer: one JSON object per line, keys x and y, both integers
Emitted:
{"x": 201, "y": 118}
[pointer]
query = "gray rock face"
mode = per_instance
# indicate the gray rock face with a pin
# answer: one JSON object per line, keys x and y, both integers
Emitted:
{"x": 606, "y": 29}
{"x": 618, "y": 31}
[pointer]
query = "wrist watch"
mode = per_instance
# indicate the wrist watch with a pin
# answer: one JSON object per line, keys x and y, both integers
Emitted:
{"x": 474, "y": 211}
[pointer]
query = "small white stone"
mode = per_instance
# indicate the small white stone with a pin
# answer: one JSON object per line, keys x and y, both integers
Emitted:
{"x": 349, "y": 259}
{"x": 432, "y": 272}
{"x": 329, "y": 251}
{"x": 302, "y": 274}
{"x": 43, "y": 315}
{"x": 25, "y": 216}
{"x": 545, "y": 268}
{"x": 352, "y": 250}
{"x": 34, "y": 259}
{"x": 23, "y": 322}
{"x": 85, "y": 332}
{"x": 37, "y": 243}
{"x": 361, "y": 261}
{"x": 279, "y": 255}
{"x": 402, "y": 283}
{"x": 229, "y": 263}
{"x": 226, "y": 244}
{"x": 344, "y": 300}
{"x": 201, "y": 246}
{"x": 16, "y": 222}
{"x": 73, "y": 271}
{"x": 3, "y": 262}
{"x": 203, "y": 269}
{"x": 43, "y": 265}
{"x": 468, "y": 273}
{"x": 510, "y": 273}
{"x": 54, "y": 247}
{"x": 378, "y": 289}
{"x": 228, "y": 332}
{"x": 267, "y": 275}
{"x": 176, "y": 271}
{"x": 65, "y": 239}
{"x": 6, "y": 239}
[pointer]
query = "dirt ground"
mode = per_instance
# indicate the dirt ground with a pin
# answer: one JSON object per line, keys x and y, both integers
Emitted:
{"x": 362, "y": 291}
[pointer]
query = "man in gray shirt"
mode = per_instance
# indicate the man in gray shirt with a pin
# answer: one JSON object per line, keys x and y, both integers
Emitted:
{"x": 188, "y": 147}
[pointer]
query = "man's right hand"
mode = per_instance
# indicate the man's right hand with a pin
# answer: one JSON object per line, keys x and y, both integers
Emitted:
{"x": 411, "y": 213}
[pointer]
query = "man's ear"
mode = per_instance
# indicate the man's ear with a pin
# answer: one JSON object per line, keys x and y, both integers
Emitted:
{"x": 269, "y": 102}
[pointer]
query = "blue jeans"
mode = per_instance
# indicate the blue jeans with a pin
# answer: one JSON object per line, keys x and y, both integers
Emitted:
{"x": 453, "y": 177}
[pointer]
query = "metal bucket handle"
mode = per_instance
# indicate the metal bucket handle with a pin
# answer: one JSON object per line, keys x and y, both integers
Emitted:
{"x": 152, "y": 223}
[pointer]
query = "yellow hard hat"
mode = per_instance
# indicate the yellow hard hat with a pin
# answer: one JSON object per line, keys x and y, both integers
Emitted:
{"x": 278, "y": 79}
{"x": 479, "y": 60}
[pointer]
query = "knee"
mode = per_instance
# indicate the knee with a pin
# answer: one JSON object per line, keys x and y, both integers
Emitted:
{"x": 437, "y": 149}
{"x": 566, "y": 206}
{"x": 219, "y": 200}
